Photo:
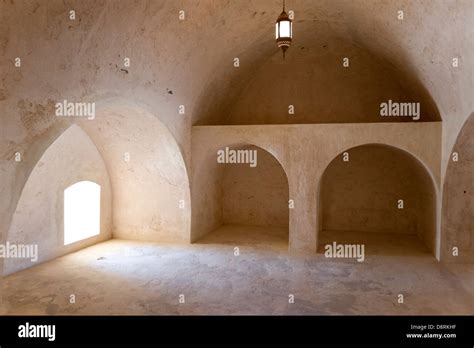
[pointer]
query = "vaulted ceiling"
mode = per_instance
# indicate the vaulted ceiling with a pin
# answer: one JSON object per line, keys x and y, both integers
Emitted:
{"x": 190, "y": 62}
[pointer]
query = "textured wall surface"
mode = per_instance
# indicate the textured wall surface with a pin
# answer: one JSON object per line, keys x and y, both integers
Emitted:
{"x": 304, "y": 152}
{"x": 255, "y": 196}
{"x": 458, "y": 213}
{"x": 321, "y": 90}
{"x": 150, "y": 183}
{"x": 175, "y": 63}
{"x": 39, "y": 216}
{"x": 362, "y": 194}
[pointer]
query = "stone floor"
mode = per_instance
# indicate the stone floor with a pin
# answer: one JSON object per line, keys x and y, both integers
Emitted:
{"x": 129, "y": 277}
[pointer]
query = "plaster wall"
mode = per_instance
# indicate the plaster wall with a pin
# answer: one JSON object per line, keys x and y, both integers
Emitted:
{"x": 304, "y": 152}
{"x": 255, "y": 196}
{"x": 362, "y": 194}
{"x": 458, "y": 213}
{"x": 174, "y": 62}
{"x": 39, "y": 216}
{"x": 147, "y": 172}
{"x": 321, "y": 89}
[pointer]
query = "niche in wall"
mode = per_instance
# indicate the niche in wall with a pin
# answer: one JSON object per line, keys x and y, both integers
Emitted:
{"x": 255, "y": 196}
{"x": 381, "y": 196}
{"x": 251, "y": 200}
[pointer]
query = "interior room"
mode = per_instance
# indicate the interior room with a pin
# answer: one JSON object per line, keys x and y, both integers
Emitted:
{"x": 237, "y": 157}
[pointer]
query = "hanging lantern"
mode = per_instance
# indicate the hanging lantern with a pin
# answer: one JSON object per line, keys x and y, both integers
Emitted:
{"x": 283, "y": 31}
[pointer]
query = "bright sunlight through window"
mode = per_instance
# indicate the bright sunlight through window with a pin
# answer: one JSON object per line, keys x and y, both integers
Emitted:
{"x": 81, "y": 211}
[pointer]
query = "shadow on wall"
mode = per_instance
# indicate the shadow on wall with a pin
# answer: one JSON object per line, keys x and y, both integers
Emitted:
{"x": 242, "y": 193}
{"x": 255, "y": 196}
{"x": 148, "y": 190}
{"x": 376, "y": 192}
{"x": 313, "y": 86}
{"x": 151, "y": 199}
{"x": 458, "y": 199}
{"x": 39, "y": 216}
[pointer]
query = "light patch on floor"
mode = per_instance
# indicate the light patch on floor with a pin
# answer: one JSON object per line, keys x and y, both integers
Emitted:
{"x": 129, "y": 277}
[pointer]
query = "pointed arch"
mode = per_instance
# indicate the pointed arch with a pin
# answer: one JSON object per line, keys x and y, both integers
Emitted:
{"x": 38, "y": 219}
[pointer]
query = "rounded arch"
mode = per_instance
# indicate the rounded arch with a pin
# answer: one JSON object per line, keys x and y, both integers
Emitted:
{"x": 418, "y": 157}
{"x": 255, "y": 193}
{"x": 377, "y": 189}
{"x": 228, "y": 193}
{"x": 264, "y": 146}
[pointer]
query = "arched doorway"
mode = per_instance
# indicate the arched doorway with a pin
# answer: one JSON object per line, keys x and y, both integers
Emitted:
{"x": 380, "y": 197}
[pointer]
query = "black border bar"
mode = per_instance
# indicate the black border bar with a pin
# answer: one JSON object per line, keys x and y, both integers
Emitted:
{"x": 224, "y": 330}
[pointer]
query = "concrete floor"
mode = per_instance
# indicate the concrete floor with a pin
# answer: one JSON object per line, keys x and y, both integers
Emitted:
{"x": 129, "y": 277}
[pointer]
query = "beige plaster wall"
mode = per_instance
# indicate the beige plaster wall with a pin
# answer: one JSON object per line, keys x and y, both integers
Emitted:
{"x": 362, "y": 194}
{"x": 39, "y": 216}
{"x": 321, "y": 90}
{"x": 175, "y": 63}
{"x": 458, "y": 213}
{"x": 148, "y": 175}
{"x": 304, "y": 152}
{"x": 255, "y": 196}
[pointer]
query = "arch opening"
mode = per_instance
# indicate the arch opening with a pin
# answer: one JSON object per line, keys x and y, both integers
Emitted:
{"x": 252, "y": 199}
{"x": 39, "y": 219}
{"x": 124, "y": 144}
{"x": 380, "y": 197}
